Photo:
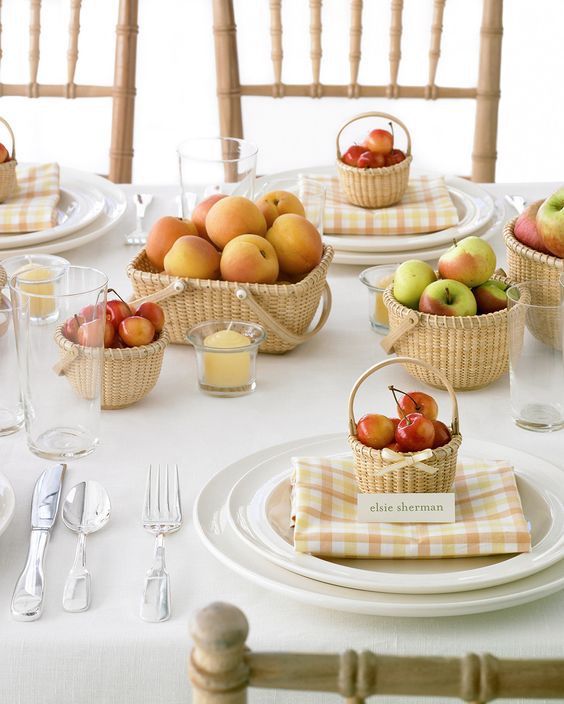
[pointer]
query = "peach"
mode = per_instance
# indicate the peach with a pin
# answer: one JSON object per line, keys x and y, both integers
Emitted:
{"x": 297, "y": 243}
{"x": 191, "y": 257}
{"x": 277, "y": 203}
{"x": 4, "y": 154}
{"x": 249, "y": 259}
{"x": 163, "y": 235}
{"x": 201, "y": 210}
{"x": 233, "y": 216}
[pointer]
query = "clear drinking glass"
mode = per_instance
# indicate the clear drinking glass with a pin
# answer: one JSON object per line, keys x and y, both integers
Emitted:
{"x": 310, "y": 192}
{"x": 536, "y": 363}
{"x": 213, "y": 165}
{"x": 377, "y": 279}
{"x": 11, "y": 408}
{"x": 60, "y": 381}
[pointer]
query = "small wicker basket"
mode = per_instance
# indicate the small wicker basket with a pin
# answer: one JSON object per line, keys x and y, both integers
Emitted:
{"x": 471, "y": 351}
{"x": 437, "y": 468}
{"x": 128, "y": 375}
{"x": 284, "y": 310}
{"x": 374, "y": 188}
{"x": 526, "y": 264}
{"x": 8, "y": 181}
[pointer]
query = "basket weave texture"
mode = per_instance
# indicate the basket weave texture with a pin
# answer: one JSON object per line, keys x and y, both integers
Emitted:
{"x": 374, "y": 188}
{"x": 128, "y": 374}
{"x": 526, "y": 264}
{"x": 3, "y": 276}
{"x": 471, "y": 351}
{"x": 410, "y": 479}
{"x": 8, "y": 181}
{"x": 290, "y": 306}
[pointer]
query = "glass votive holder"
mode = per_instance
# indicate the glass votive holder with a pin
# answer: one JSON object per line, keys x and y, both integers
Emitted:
{"x": 377, "y": 279}
{"x": 226, "y": 354}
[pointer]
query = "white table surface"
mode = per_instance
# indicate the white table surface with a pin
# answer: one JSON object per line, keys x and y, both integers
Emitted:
{"x": 108, "y": 654}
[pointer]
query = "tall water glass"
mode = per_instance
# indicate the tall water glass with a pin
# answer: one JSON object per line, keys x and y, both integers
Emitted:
{"x": 215, "y": 165}
{"x": 11, "y": 408}
{"x": 62, "y": 412}
{"x": 536, "y": 362}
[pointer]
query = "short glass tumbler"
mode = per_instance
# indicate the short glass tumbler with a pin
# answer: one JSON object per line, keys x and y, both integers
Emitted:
{"x": 311, "y": 193}
{"x": 377, "y": 279}
{"x": 215, "y": 165}
{"x": 226, "y": 354}
{"x": 11, "y": 408}
{"x": 536, "y": 363}
{"x": 61, "y": 390}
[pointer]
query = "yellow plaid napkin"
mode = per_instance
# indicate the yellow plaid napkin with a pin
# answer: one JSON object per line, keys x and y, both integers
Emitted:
{"x": 425, "y": 207}
{"x": 34, "y": 205}
{"x": 489, "y": 516}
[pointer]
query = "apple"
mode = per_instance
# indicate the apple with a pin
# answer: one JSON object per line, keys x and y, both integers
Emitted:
{"x": 470, "y": 261}
{"x": 153, "y": 312}
{"x": 350, "y": 157}
{"x": 297, "y": 243}
{"x": 393, "y": 446}
{"x": 277, "y": 203}
{"x": 116, "y": 311}
{"x": 490, "y": 297}
{"x": 375, "y": 430}
{"x": 550, "y": 223}
{"x": 415, "y": 432}
{"x": 371, "y": 160}
{"x": 526, "y": 230}
{"x": 249, "y": 259}
{"x": 191, "y": 257}
{"x": 396, "y": 156}
{"x": 93, "y": 333}
{"x": 448, "y": 297}
{"x": 379, "y": 142}
{"x": 442, "y": 434}
{"x": 71, "y": 326}
{"x": 417, "y": 402}
{"x": 410, "y": 280}
{"x": 136, "y": 331}
{"x": 92, "y": 312}
{"x": 201, "y": 211}
{"x": 4, "y": 154}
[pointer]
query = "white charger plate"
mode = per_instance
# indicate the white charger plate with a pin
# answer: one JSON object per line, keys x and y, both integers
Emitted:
{"x": 214, "y": 528}
{"x": 259, "y": 510}
{"x": 7, "y": 503}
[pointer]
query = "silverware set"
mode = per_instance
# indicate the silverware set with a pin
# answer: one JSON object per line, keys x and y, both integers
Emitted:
{"x": 86, "y": 509}
{"x": 139, "y": 236}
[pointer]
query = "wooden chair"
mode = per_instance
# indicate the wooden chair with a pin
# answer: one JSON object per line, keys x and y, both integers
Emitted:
{"x": 222, "y": 669}
{"x": 486, "y": 93}
{"x": 122, "y": 91}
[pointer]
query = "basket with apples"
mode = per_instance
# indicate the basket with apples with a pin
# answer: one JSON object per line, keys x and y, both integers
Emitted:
{"x": 260, "y": 262}
{"x": 134, "y": 343}
{"x": 456, "y": 321}
{"x": 374, "y": 174}
{"x": 8, "y": 182}
{"x": 413, "y": 453}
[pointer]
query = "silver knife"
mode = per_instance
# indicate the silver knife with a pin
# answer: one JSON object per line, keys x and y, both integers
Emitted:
{"x": 27, "y": 599}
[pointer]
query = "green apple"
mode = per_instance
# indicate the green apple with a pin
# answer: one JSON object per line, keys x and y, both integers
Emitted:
{"x": 550, "y": 223}
{"x": 448, "y": 297}
{"x": 471, "y": 261}
{"x": 410, "y": 280}
{"x": 490, "y": 296}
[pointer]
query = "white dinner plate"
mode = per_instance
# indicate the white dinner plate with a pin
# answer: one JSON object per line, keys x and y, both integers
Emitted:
{"x": 259, "y": 511}
{"x": 115, "y": 205}
{"x": 7, "y": 503}
{"x": 214, "y": 528}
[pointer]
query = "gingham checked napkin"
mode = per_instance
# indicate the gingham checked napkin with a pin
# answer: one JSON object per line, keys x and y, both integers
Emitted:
{"x": 489, "y": 516}
{"x": 425, "y": 207}
{"x": 33, "y": 207}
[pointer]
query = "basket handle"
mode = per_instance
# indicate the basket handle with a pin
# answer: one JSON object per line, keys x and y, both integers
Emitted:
{"x": 410, "y": 321}
{"x": 243, "y": 294}
{"x": 403, "y": 360}
{"x": 386, "y": 116}
{"x": 176, "y": 286}
{"x": 3, "y": 121}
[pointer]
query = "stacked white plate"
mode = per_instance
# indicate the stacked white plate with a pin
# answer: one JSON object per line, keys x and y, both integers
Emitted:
{"x": 243, "y": 517}
{"x": 88, "y": 207}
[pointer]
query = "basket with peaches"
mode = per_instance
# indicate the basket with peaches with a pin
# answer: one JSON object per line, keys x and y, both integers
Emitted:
{"x": 235, "y": 259}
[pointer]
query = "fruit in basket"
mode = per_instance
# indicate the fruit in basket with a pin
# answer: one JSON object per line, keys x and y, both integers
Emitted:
{"x": 396, "y": 156}
{"x": 410, "y": 280}
{"x": 278, "y": 203}
{"x": 153, "y": 312}
{"x": 191, "y": 257}
{"x": 470, "y": 261}
{"x": 379, "y": 142}
{"x": 352, "y": 154}
{"x": 163, "y": 234}
{"x": 71, "y": 326}
{"x": 116, "y": 311}
{"x": 92, "y": 332}
{"x": 550, "y": 223}
{"x": 448, "y": 297}
{"x": 416, "y": 402}
{"x": 375, "y": 430}
{"x": 526, "y": 230}
{"x": 442, "y": 434}
{"x": 233, "y": 216}
{"x": 136, "y": 331}
{"x": 371, "y": 160}
{"x": 415, "y": 432}
{"x": 297, "y": 243}
{"x": 201, "y": 210}
{"x": 4, "y": 154}
{"x": 249, "y": 259}
{"x": 490, "y": 297}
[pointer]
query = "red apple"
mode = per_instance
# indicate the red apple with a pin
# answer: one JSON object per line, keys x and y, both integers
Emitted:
{"x": 447, "y": 297}
{"x": 92, "y": 333}
{"x": 525, "y": 229}
{"x": 418, "y": 402}
{"x": 442, "y": 434}
{"x": 4, "y": 154}
{"x": 350, "y": 157}
{"x": 71, "y": 326}
{"x": 490, "y": 296}
{"x": 375, "y": 430}
{"x": 116, "y": 311}
{"x": 395, "y": 157}
{"x": 371, "y": 160}
{"x": 93, "y": 312}
{"x": 153, "y": 312}
{"x": 415, "y": 432}
{"x": 393, "y": 446}
{"x": 379, "y": 142}
{"x": 136, "y": 331}
{"x": 110, "y": 334}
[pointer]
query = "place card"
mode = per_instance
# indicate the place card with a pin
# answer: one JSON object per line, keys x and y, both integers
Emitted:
{"x": 406, "y": 508}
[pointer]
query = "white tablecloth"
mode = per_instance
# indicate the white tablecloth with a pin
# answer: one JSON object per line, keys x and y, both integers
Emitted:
{"x": 108, "y": 654}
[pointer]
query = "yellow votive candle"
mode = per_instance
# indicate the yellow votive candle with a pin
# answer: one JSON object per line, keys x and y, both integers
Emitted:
{"x": 380, "y": 310}
{"x": 227, "y": 370}
{"x": 41, "y": 284}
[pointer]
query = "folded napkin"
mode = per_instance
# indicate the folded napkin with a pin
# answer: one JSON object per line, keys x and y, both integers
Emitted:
{"x": 489, "y": 516}
{"x": 34, "y": 205}
{"x": 425, "y": 207}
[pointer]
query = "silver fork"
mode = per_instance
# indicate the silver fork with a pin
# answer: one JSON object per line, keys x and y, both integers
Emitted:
{"x": 162, "y": 514}
{"x": 141, "y": 202}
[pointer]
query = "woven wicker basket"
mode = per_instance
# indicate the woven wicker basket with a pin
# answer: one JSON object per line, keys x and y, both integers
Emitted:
{"x": 284, "y": 310}
{"x": 3, "y": 276}
{"x": 8, "y": 181}
{"x": 526, "y": 264}
{"x": 370, "y": 465}
{"x": 471, "y": 351}
{"x": 374, "y": 188}
{"x": 128, "y": 375}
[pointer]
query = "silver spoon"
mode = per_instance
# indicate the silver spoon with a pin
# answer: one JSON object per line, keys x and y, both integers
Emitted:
{"x": 86, "y": 510}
